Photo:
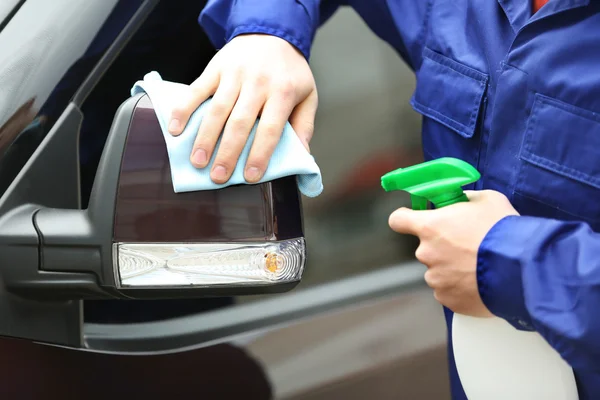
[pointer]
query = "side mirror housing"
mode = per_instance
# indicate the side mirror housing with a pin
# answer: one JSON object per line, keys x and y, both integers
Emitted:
{"x": 137, "y": 239}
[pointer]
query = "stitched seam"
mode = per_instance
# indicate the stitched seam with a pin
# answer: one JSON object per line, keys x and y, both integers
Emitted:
{"x": 520, "y": 181}
{"x": 455, "y": 65}
{"x": 466, "y": 131}
{"x": 562, "y": 210}
{"x": 469, "y": 73}
{"x": 578, "y": 111}
{"x": 528, "y": 155}
{"x": 423, "y": 34}
{"x": 431, "y": 113}
{"x": 506, "y": 64}
{"x": 529, "y": 129}
{"x": 561, "y": 169}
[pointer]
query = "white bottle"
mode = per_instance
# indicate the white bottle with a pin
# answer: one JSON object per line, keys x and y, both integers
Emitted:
{"x": 495, "y": 361}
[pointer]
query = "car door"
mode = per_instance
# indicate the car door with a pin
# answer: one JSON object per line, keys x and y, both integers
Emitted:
{"x": 361, "y": 323}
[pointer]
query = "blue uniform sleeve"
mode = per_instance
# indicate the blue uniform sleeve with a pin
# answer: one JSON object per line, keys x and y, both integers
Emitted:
{"x": 544, "y": 275}
{"x": 295, "y": 21}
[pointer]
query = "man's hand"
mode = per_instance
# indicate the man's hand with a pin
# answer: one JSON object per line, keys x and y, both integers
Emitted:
{"x": 252, "y": 75}
{"x": 450, "y": 239}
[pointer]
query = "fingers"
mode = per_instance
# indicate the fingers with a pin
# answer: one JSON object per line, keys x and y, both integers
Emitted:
{"x": 426, "y": 254}
{"x": 212, "y": 124}
{"x": 270, "y": 127}
{"x": 200, "y": 90}
{"x": 432, "y": 278}
{"x": 238, "y": 127}
{"x": 410, "y": 222}
{"x": 303, "y": 118}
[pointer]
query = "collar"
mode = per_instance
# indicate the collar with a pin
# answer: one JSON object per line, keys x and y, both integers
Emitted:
{"x": 519, "y": 12}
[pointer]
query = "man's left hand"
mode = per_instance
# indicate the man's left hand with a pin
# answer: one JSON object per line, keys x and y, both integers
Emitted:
{"x": 450, "y": 238}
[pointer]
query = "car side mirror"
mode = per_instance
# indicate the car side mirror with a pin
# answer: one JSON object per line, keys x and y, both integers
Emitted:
{"x": 137, "y": 239}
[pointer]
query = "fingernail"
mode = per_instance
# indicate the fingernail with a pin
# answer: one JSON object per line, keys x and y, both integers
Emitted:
{"x": 199, "y": 157}
{"x": 219, "y": 173}
{"x": 174, "y": 125}
{"x": 253, "y": 174}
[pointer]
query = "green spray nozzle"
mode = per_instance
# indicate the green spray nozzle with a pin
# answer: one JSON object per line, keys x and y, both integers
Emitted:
{"x": 438, "y": 181}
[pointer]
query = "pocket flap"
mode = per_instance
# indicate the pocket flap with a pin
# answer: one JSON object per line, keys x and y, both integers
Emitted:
{"x": 449, "y": 92}
{"x": 563, "y": 139}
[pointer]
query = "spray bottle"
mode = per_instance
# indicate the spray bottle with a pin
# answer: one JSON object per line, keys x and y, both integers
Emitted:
{"x": 494, "y": 360}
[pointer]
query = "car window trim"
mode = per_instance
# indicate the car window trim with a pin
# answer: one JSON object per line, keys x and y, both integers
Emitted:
{"x": 11, "y": 14}
{"x": 113, "y": 51}
{"x": 189, "y": 332}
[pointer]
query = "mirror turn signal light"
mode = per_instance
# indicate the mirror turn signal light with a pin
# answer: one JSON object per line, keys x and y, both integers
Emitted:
{"x": 199, "y": 264}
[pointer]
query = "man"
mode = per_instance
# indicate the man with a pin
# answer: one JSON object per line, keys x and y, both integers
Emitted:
{"x": 510, "y": 86}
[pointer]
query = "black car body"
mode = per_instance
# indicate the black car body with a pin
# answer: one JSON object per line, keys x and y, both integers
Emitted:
{"x": 377, "y": 334}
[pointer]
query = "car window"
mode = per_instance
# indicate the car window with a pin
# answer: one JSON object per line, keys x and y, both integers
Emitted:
{"x": 163, "y": 38}
{"x": 48, "y": 48}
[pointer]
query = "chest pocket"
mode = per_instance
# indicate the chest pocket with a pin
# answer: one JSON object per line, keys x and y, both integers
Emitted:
{"x": 560, "y": 163}
{"x": 451, "y": 96}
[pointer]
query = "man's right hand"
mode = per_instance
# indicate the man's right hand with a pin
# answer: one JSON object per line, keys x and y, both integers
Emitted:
{"x": 253, "y": 75}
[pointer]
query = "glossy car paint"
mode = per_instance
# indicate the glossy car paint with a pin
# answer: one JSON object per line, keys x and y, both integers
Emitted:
{"x": 356, "y": 350}
{"x": 47, "y": 50}
{"x": 383, "y": 349}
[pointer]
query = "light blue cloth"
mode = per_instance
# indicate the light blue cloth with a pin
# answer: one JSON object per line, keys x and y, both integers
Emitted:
{"x": 289, "y": 158}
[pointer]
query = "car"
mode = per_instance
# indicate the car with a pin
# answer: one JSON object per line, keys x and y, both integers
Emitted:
{"x": 89, "y": 220}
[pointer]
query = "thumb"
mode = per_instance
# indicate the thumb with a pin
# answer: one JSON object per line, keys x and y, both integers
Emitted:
{"x": 303, "y": 119}
{"x": 407, "y": 221}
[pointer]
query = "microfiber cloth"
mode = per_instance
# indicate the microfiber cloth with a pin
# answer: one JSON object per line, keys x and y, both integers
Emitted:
{"x": 290, "y": 157}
